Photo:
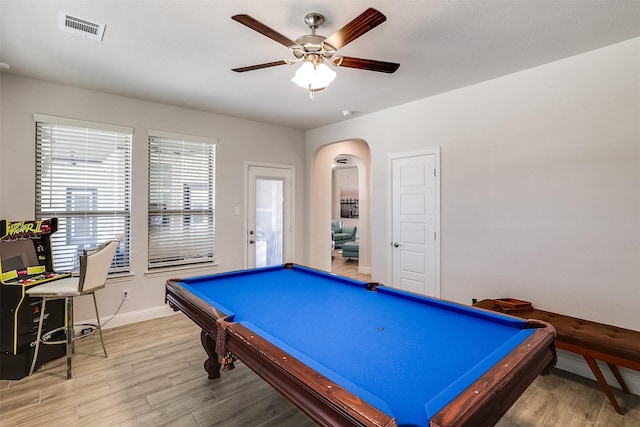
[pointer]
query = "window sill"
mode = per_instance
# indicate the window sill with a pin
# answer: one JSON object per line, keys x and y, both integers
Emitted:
{"x": 193, "y": 269}
{"x": 120, "y": 277}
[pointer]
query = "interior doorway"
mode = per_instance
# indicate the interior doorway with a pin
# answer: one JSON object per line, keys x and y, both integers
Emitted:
{"x": 345, "y": 213}
{"x": 322, "y": 204}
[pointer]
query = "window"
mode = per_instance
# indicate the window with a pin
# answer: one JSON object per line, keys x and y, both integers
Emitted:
{"x": 181, "y": 199}
{"x": 83, "y": 177}
{"x": 81, "y": 200}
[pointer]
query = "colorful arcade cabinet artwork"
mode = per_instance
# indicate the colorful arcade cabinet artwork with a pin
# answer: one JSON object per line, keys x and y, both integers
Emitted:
{"x": 26, "y": 260}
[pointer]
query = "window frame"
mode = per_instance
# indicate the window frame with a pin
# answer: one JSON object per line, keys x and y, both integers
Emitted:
{"x": 57, "y": 180}
{"x": 177, "y": 216}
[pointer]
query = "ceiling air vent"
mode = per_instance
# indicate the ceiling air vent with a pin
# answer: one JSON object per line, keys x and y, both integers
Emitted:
{"x": 79, "y": 26}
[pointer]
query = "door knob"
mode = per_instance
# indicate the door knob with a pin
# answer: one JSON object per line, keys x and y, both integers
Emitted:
{"x": 252, "y": 241}
{"x": 396, "y": 244}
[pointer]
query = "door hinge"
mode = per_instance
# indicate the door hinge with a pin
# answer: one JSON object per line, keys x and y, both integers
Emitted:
{"x": 434, "y": 172}
{"x": 434, "y": 236}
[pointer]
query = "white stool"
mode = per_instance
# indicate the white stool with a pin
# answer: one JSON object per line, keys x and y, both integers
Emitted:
{"x": 94, "y": 268}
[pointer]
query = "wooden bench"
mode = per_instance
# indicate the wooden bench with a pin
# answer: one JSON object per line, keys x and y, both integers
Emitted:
{"x": 594, "y": 341}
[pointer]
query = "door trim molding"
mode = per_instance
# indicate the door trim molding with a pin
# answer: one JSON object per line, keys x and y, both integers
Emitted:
{"x": 292, "y": 226}
{"x": 390, "y": 158}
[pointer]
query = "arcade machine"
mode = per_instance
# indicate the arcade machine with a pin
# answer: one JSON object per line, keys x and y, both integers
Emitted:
{"x": 26, "y": 260}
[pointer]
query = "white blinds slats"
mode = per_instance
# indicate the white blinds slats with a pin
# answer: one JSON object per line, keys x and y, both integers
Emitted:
{"x": 181, "y": 200}
{"x": 83, "y": 177}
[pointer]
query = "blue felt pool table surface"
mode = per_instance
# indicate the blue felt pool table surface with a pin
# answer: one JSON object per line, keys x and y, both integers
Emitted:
{"x": 405, "y": 354}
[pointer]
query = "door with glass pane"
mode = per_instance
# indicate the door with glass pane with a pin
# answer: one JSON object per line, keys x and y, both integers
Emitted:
{"x": 269, "y": 214}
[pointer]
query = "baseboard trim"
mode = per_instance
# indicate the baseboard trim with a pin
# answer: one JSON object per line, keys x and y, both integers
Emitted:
{"x": 364, "y": 270}
{"x": 576, "y": 364}
{"x": 132, "y": 317}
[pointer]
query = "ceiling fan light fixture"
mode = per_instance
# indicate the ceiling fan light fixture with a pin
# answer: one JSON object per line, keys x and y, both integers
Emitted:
{"x": 314, "y": 77}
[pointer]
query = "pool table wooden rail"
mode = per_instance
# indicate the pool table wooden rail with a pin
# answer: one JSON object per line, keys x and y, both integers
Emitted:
{"x": 496, "y": 391}
{"x": 481, "y": 404}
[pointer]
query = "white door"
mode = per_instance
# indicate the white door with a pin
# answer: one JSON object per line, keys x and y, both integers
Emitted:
{"x": 269, "y": 215}
{"x": 415, "y": 205}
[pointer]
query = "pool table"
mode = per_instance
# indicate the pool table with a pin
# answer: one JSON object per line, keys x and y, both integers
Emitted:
{"x": 353, "y": 353}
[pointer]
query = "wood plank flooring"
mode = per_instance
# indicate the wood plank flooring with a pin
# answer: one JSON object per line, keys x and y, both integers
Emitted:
{"x": 349, "y": 268}
{"x": 154, "y": 377}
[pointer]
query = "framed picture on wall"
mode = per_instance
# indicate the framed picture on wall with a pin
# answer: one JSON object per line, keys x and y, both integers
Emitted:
{"x": 349, "y": 201}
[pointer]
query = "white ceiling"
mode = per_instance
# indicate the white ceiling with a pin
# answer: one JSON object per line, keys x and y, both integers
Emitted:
{"x": 180, "y": 52}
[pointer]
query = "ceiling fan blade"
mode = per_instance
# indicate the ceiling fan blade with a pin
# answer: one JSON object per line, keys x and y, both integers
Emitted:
{"x": 258, "y": 26}
{"x": 365, "y": 64}
{"x": 367, "y": 20}
{"x": 260, "y": 66}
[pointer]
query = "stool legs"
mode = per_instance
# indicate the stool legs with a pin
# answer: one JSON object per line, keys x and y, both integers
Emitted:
{"x": 68, "y": 329}
{"x": 38, "y": 336}
{"x": 69, "y": 332}
{"x": 95, "y": 305}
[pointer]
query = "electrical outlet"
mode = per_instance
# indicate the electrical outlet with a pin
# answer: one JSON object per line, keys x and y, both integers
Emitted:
{"x": 125, "y": 294}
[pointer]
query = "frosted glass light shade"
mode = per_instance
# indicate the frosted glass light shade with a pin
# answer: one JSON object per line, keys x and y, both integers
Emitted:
{"x": 313, "y": 78}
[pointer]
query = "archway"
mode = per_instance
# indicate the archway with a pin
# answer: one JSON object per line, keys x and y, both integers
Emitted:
{"x": 321, "y": 202}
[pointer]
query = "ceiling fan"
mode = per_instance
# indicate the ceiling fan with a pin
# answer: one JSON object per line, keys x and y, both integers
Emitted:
{"x": 313, "y": 49}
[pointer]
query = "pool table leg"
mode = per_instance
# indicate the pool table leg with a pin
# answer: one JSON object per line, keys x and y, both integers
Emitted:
{"x": 211, "y": 365}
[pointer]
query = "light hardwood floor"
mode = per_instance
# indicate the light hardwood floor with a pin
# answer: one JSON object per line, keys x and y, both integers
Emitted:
{"x": 349, "y": 268}
{"x": 154, "y": 377}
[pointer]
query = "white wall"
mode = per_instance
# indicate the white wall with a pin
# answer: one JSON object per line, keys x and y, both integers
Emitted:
{"x": 239, "y": 141}
{"x": 540, "y": 184}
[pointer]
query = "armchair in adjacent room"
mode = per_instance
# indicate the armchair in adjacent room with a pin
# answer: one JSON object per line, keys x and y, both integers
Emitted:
{"x": 341, "y": 234}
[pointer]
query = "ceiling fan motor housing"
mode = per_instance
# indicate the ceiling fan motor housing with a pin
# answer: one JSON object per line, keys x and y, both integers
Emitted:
{"x": 311, "y": 47}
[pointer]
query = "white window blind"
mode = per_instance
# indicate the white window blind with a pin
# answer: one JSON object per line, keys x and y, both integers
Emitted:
{"x": 181, "y": 199}
{"x": 83, "y": 177}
